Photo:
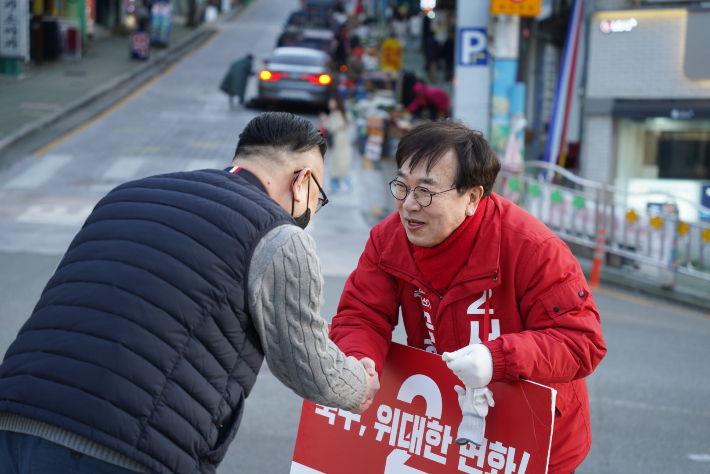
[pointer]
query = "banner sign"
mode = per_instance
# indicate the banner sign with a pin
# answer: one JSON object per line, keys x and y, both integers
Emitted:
{"x": 411, "y": 426}
{"x": 161, "y": 17}
{"x": 516, "y": 7}
{"x": 139, "y": 42}
{"x": 391, "y": 55}
{"x": 14, "y": 29}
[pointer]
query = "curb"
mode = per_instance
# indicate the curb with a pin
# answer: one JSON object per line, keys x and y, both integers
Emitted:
{"x": 161, "y": 63}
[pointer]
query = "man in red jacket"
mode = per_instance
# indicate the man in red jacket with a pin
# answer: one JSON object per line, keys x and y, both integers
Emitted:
{"x": 474, "y": 275}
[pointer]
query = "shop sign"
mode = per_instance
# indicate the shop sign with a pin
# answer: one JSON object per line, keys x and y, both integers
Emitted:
{"x": 411, "y": 426}
{"x": 140, "y": 45}
{"x": 391, "y": 55}
{"x": 473, "y": 43}
{"x": 161, "y": 15}
{"x": 682, "y": 114}
{"x": 516, "y": 7}
{"x": 89, "y": 9}
{"x": 618, "y": 26}
{"x": 14, "y": 29}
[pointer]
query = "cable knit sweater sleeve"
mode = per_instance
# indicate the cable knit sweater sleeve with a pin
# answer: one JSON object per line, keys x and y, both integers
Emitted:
{"x": 285, "y": 297}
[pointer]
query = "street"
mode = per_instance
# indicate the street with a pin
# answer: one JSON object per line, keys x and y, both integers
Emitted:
{"x": 650, "y": 397}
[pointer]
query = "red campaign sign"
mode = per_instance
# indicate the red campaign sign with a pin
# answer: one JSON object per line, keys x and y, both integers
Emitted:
{"x": 412, "y": 424}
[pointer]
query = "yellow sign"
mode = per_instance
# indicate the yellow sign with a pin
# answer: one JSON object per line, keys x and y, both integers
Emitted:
{"x": 516, "y": 7}
{"x": 391, "y": 55}
{"x": 656, "y": 222}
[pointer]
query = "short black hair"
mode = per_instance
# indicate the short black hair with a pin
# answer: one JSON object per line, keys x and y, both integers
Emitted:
{"x": 478, "y": 164}
{"x": 280, "y": 131}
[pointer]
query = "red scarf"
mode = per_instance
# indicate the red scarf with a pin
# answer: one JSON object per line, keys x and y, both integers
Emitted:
{"x": 441, "y": 263}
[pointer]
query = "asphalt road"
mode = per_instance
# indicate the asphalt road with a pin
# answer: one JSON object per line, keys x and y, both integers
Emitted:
{"x": 650, "y": 397}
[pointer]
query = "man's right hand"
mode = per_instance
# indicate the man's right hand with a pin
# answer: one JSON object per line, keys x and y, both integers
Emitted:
{"x": 373, "y": 384}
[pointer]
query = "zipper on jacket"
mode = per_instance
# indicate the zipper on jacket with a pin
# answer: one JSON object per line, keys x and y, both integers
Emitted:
{"x": 412, "y": 279}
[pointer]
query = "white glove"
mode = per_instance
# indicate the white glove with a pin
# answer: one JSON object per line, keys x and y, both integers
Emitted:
{"x": 475, "y": 400}
{"x": 472, "y": 364}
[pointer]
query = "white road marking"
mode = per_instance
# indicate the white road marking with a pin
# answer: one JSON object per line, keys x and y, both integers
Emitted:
{"x": 102, "y": 188}
{"x": 39, "y": 172}
{"x": 123, "y": 169}
{"x": 699, "y": 457}
{"x": 55, "y": 214}
{"x": 204, "y": 164}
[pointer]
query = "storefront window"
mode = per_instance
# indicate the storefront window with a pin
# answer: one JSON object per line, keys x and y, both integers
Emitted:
{"x": 662, "y": 148}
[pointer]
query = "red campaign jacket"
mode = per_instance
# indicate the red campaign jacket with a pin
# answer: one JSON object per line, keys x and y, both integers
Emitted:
{"x": 543, "y": 321}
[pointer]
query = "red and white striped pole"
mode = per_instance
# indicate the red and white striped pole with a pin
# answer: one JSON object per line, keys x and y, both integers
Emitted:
{"x": 598, "y": 259}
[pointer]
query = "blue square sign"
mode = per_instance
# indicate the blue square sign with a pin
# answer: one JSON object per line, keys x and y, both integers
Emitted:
{"x": 473, "y": 43}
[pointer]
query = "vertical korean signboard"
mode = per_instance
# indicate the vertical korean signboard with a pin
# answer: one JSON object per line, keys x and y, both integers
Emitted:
{"x": 14, "y": 29}
{"x": 161, "y": 16}
{"x": 411, "y": 426}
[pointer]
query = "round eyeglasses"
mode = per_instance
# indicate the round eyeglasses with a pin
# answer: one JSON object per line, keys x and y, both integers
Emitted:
{"x": 422, "y": 195}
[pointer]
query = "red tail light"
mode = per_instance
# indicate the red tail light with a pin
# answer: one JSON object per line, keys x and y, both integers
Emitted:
{"x": 270, "y": 76}
{"x": 320, "y": 79}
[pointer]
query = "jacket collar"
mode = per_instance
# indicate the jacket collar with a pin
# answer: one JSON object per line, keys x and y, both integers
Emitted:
{"x": 248, "y": 176}
{"x": 397, "y": 258}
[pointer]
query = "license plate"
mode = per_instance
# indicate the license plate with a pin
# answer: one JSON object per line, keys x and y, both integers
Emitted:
{"x": 293, "y": 94}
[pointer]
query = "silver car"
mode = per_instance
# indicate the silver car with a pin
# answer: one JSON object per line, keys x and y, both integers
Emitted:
{"x": 296, "y": 75}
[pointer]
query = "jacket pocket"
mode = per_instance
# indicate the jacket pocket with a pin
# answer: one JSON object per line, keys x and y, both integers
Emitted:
{"x": 565, "y": 297}
{"x": 217, "y": 454}
{"x": 563, "y": 397}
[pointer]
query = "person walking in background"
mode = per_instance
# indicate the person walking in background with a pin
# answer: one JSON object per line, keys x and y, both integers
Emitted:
{"x": 149, "y": 336}
{"x": 431, "y": 57}
{"x": 415, "y": 24}
{"x": 447, "y": 53}
{"x": 235, "y": 82}
{"x": 355, "y": 68}
{"x": 433, "y": 99}
{"x": 341, "y": 152}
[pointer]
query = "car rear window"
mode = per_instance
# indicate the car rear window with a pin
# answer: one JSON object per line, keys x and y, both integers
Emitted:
{"x": 297, "y": 59}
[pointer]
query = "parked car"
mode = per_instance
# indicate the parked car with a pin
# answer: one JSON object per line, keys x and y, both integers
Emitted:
{"x": 322, "y": 40}
{"x": 295, "y": 74}
{"x": 318, "y": 20}
{"x": 322, "y": 5}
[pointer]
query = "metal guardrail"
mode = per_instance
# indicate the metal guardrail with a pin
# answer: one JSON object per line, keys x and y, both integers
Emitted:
{"x": 656, "y": 243}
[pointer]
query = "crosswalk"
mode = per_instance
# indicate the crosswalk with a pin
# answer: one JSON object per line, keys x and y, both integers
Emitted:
{"x": 54, "y": 194}
{"x": 39, "y": 172}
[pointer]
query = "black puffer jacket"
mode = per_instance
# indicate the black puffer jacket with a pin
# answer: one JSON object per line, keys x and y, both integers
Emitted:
{"x": 142, "y": 340}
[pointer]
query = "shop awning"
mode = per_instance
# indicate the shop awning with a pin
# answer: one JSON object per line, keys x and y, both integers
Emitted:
{"x": 675, "y": 109}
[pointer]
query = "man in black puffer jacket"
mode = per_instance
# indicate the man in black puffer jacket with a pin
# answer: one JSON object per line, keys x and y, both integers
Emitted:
{"x": 150, "y": 334}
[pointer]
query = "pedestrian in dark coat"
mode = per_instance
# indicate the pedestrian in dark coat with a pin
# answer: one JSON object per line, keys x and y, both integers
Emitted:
{"x": 150, "y": 335}
{"x": 447, "y": 52}
{"x": 235, "y": 82}
{"x": 431, "y": 57}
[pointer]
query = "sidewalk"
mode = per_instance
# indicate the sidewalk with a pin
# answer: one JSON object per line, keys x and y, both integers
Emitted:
{"x": 50, "y": 91}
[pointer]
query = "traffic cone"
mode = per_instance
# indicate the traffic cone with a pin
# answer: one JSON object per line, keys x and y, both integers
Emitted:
{"x": 597, "y": 260}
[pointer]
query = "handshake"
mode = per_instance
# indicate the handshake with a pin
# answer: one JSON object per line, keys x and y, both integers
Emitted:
{"x": 373, "y": 383}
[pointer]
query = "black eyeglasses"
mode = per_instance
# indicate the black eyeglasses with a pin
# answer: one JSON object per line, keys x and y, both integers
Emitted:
{"x": 422, "y": 195}
{"x": 322, "y": 199}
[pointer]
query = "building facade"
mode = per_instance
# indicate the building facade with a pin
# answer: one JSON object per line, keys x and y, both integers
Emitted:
{"x": 647, "y": 100}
